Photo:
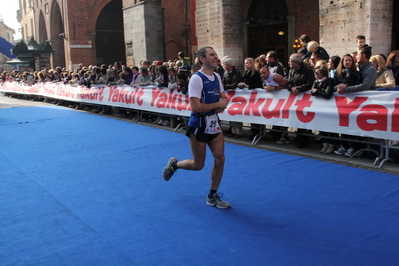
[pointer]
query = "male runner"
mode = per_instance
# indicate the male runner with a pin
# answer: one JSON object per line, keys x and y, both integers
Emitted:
{"x": 207, "y": 99}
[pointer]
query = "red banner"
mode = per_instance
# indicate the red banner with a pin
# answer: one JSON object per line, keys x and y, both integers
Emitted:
{"x": 370, "y": 113}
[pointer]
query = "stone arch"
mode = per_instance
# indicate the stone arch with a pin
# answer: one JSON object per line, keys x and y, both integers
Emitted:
{"x": 57, "y": 34}
{"x": 43, "y": 28}
{"x": 109, "y": 34}
{"x": 172, "y": 49}
{"x": 94, "y": 13}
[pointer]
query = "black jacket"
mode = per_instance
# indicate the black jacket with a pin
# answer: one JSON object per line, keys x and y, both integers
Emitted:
{"x": 324, "y": 89}
{"x": 253, "y": 81}
{"x": 231, "y": 79}
{"x": 348, "y": 78}
{"x": 302, "y": 78}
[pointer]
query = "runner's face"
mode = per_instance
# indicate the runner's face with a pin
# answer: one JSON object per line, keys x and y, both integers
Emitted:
{"x": 211, "y": 59}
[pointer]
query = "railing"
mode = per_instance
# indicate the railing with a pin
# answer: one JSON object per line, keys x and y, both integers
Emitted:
{"x": 370, "y": 114}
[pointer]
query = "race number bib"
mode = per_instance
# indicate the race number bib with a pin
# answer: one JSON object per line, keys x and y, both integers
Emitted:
{"x": 212, "y": 124}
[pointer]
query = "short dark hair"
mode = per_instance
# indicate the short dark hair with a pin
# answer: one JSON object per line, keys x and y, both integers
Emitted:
{"x": 180, "y": 54}
{"x": 366, "y": 51}
{"x": 318, "y": 54}
{"x": 302, "y": 50}
{"x": 273, "y": 55}
{"x": 362, "y": 37}
{"x": 305, "y": 38}
{"x": 143, "y": 70}
{"x": 181, "y": 75}
{"x": 202, "y": 53}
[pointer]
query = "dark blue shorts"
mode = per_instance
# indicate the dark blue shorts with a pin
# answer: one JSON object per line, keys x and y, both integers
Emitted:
{"x": 200, "y": 135}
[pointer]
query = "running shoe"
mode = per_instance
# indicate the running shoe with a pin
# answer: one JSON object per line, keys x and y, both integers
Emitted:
{"x": 216, "y": 201}
{"x": 168, "y": 171}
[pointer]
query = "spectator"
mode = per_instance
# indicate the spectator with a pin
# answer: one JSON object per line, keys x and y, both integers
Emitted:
{"x": 103, "y": 76}
{"x": 272, "y": 81}
{"x": 219, "y": 69}
{"x": 346, "y": 72}
{"x": 172, "y": 78}
{"x": 186, "y": 64}
{"x": 128, "y": 75}
{"x": 122, "y": 78}
{"x": 230, "y": 79}
{"x": 117, "y": 69}
{"x": 300, "y": 79}
{"x": 314, "y": 58}
{"x": 361, "y": 42}
{"x": 368, "y": 71}
{"x": 144, "y": 79}
{"x": 251, "y": 80}
{"x": 136, "y": 73}
{"x": 195, "y": 67}
{"x": 385, "y": 79}
{"x": 232, "y": 75}
{"x": 304, "y": 40}
{"x": 272, "y": 63}
{"x": 332, "y": 65}
{"x": 162, "y": 80}
{"x": 323, "y": 86}
{"x": 315, "y": 47}
{"x": 369, "y": 75}
{"x": 182, "y": 83}
{"x": 108, "y": 78}
{"x": 393, "y": 64}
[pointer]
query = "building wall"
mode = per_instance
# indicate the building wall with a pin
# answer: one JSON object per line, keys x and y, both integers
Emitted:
{"x": 155, "y": 29}
{"x": 147, "y": 31}
{"x": 144, "y": 31}
{"x": 6, "y": 33}
{"x": 27, "y": 20}
{"x": 219, "y": 25}
{"x": 177, "y": 27}
{"x": 223, "y": 25}
{"x": 341, "y": 22}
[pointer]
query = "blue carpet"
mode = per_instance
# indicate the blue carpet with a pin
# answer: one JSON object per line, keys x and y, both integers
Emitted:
{"x": 81, "y": 189}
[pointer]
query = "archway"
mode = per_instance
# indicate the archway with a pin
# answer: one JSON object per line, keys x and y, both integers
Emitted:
{"x": 110, "y": 41}
{"x": 172, "y": 49}
{"x": 43, "y": 30}
{"x": 57, "y": 35}
{"x": 267, "y": 28}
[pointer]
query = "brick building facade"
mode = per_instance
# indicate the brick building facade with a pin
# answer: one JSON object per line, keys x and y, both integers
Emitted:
{"x": 7, "y": 34}
{"x": 104, "y": 31}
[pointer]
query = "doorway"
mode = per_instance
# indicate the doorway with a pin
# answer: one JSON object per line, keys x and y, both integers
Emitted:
{"x": 267, "y": 28}
{"x": 110, "y": 40}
